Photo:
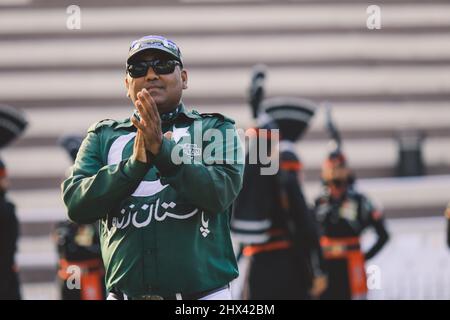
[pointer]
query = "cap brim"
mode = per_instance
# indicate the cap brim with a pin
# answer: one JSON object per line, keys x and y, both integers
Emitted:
{"x": 149, "y": 48}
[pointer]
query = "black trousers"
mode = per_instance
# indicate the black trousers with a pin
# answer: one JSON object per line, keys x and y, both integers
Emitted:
{"x": 277, "y": 275}
{"x": 74, "y": 294}
{"x": 338, "y": 281}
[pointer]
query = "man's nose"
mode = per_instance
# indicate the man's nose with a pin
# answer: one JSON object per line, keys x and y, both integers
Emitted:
{"x": 151, "y": 74}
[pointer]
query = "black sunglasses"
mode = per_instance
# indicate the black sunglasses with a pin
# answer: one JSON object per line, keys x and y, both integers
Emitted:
{"x": 338, "y": 183}
{"x": 140, "y": 68}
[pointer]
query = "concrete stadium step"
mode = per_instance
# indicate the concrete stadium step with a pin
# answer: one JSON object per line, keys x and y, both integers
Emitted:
{"x": 224, "y": 64}
{"x": 362, "y": 98}
{"x": 37, "y": 183}
{"x": 36, "y": 259}
{"x": 312, "y": 31}
{"x": 230, "y": 18}
{"x": 39, "y": 4}
{"x": 358, "y": 134}
{"x": 420, "y": 240}
{"x": 382, "y": 153}
{"x": 43, "y": 228}
{"x": 415, "y": 264}
{"x": 40, "y": 226}
{"x": 400, "y": 197}
{"x": 40, "y": 290}
{"x": 37, "y": 256}
{"x": 369, "y": 122}
{"x": 233, "y": 83}
{"x": 371, "y": 118}
{"x": 35, "y": 252}
{"x": 228, "y": 50}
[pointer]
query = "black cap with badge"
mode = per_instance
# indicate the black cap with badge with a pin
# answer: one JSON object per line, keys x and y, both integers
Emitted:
{"x": 155, "y": 43}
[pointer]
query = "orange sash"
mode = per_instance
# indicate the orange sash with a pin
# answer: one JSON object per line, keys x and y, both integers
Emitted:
{"x": 92, "y": 273}
{"x": 349, "y": 249}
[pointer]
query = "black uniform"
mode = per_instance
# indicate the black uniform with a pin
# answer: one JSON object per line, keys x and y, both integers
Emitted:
{"x": 9, "y": 233}
{"x": 272, "y": 221}
{"x": 12, "y": 124}
{"x": 341, "y": 224}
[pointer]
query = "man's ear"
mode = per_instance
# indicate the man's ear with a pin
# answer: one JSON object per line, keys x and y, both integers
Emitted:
{"x": 127, "y": 85}
{"x": 184, "y": 78}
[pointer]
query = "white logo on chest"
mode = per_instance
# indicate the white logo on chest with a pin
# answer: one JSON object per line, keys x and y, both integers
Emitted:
{"x": 145, "y": 188}
{"x": 178, "y": 133}
{"x": 143, "y": 216}
{"x": 349, "y": 211}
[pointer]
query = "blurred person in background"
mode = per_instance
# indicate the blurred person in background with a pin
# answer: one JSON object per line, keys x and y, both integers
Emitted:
{"x": 9, "y": 234}
{"x": 79, "y": 245}
{"x": 343, "y": 214}
{"x": 12, "y": 124}
{"x": 271, "y": 220}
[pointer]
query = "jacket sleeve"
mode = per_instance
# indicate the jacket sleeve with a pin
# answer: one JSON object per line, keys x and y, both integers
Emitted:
{"x": 211, "y": 184}
{"x": 376, "y": 220}
{"x": 94, "y": 188}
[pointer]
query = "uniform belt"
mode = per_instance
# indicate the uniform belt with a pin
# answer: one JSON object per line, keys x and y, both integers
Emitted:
{"x": 179, "y": 296}
{"x": 335, "y": 247}
{"x": 86, "y": 266}
{"x": 251, "y": 250}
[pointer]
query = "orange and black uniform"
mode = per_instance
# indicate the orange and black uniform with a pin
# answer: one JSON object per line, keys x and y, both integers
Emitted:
{"x": 276, "y": 228}
{"x": 341, "y": 223}
{"x": 79, "y": 245}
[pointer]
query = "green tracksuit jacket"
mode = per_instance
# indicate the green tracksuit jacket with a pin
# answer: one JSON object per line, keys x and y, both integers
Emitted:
{"x": 164, "y": 225}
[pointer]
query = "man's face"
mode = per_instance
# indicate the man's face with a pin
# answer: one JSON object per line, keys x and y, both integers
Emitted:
{"x": 165, "y": 89}
{"x": 336, "y": 181}
{"x": 337, "y": 188}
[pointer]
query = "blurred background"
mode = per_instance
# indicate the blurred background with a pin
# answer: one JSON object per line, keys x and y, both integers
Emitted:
{"x": 389, "y": 88}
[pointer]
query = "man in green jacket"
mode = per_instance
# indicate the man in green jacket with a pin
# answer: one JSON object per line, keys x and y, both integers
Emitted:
{"x": 162, "y": 183}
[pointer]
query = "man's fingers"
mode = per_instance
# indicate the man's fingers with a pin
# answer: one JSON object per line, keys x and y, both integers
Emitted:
{"x": 136, "y": 123}
{"x": 141, "y": 106}
{"x": 152, "y": 108}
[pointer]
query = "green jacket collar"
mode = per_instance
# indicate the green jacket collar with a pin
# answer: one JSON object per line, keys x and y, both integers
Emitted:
{"x": 126, "y": 123}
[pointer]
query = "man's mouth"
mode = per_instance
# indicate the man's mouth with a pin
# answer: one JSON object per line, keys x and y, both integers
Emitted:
{"x": 153, "y": 88}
